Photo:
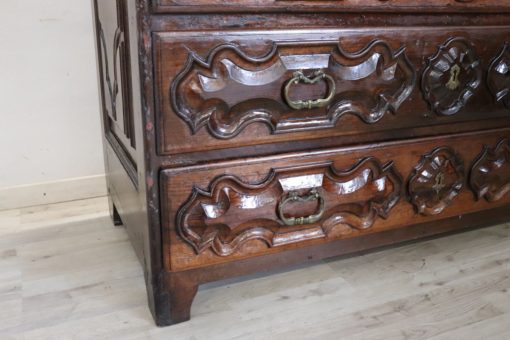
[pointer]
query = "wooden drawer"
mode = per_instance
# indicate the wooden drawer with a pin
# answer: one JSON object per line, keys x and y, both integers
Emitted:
{"x": 232, "y": 210}
{"x": 245, "y": 88}
{"x": 443, "y": 6}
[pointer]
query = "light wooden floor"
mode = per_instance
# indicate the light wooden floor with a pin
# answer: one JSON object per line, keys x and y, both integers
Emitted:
{"x": 66, "y": 273}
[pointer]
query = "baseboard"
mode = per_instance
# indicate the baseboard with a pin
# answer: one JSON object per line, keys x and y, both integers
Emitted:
{"x": 52, "y": 192}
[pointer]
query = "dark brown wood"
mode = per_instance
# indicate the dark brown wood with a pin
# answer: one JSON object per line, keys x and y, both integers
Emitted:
{"x": 452, "y": 76}
{"x": 273, "y": 88}
{"x": 115, "y": 72}
{"x": 228, "y": 89}
{"x": 230, "y": 210}
{"x": 436, "y": 181}
{"x": 441, "y": 6}
{"x": 182, "y": 289}
{"x": 490, "y": 175}
{"x": 498, "y": 76}
{"x": 315, "y": 194}
{"x": 242, "y": 136}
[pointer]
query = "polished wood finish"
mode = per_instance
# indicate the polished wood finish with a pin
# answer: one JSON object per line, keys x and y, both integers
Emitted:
{"x": 490, "y": 175}
{"x": 229, "y": 89}
{"x": 441, "y": 6}
{"x": 228, "y": 211}
{"x": 236, "y": 142}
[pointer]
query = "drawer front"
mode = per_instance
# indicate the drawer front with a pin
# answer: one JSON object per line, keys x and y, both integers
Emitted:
{"x": 443, "y": 6}
{"x": 236, "y": 89}
{"x": 228, "y": 211}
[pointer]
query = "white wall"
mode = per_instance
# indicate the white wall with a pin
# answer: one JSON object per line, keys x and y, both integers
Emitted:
{"x": 50, "y": 125}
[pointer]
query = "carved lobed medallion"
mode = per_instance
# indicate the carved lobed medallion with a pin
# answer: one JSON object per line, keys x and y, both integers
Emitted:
{"x": 490, "y": 174}
{"x": 498, "y": 76}
{"x": 290, "y": 91}
{"x": 452, "y": 76}
{"x": 291, "y": 205}
{"x": 436, "y": 181}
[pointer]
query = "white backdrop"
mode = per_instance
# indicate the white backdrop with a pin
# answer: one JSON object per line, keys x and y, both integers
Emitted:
{"x": 50, "y": 125}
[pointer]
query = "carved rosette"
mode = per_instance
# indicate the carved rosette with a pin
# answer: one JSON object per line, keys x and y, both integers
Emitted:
{"x": 452, "y": 77}
{"x": 436, "y": 181}
{"x": 290, "y": 206}
{"x": 230, "y": 89}
{"x": 498, "y": 76}
{"x": 490, "y": 174}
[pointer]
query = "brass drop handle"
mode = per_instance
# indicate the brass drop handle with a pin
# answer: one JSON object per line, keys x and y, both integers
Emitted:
{"x": 299, "y": 77}
{"x": 294, "y": 197}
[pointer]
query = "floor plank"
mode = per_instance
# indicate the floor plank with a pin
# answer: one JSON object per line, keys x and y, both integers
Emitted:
{"x": 67, "y": 273}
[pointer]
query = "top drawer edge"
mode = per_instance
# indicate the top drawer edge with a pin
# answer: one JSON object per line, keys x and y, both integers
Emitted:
{"x": 347, "y": 6}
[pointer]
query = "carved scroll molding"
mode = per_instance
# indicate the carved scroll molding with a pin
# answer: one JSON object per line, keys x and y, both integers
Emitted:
{"x": 436, "y": 181}
{"x": 111, "y": 86}
{"x": 233, "y": 212}
{"x": 230, "y": 89}
{"x": 490, "y": 174}
{"x": 452, "y": 76}
{"x": 117, "y": 74}
{"x": 498, "y": 76}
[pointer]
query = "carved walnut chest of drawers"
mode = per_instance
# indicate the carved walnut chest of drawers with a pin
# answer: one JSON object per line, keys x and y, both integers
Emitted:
{"x": 245, "y": 135}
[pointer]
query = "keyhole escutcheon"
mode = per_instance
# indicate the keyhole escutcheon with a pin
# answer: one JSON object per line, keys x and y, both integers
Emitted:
{"x": 439, "y": 183}
{"x": 454, "y": 82}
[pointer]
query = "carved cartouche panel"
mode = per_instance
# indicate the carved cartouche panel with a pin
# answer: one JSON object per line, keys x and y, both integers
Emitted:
{"x": 452, "y": 77}
{"x": 289, "y": 206}
{"x": 498, "y": 76}
{"x": 289, "y": 90}
{"x": 490, "y": 175}
{"x": 436, "y": 181}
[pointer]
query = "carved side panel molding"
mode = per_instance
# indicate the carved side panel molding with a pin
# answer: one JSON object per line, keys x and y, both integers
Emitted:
{"x": 490, "y": 175}
{"x": 436, "y": 181}
{"x": 498, "y": 76}
{"x": 291, "y": 205}
{"x": 112, "y": 86}
{"x": 115, "y": 72}
{"x": 452, "y": 77}
{"x": 230, "y": 89}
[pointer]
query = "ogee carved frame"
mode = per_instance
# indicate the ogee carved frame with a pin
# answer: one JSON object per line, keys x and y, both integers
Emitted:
{"x": 200, "y": 106}
{"x": 490, "y": 174}
{"x": 352, "y": 199}
{"x": 205, "y": 221}
{"x": 452, "y": 76}
{"x": 436, "y": 181}
{"x": 498, "y": 76}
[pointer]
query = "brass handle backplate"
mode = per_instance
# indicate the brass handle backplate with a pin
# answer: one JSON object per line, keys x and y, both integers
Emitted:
{"x": 295, "y": 197}
{"x": 299, "y": 77}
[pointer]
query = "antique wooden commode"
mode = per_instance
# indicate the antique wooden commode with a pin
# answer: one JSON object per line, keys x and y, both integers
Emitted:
{"x": 246, "y": 135}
